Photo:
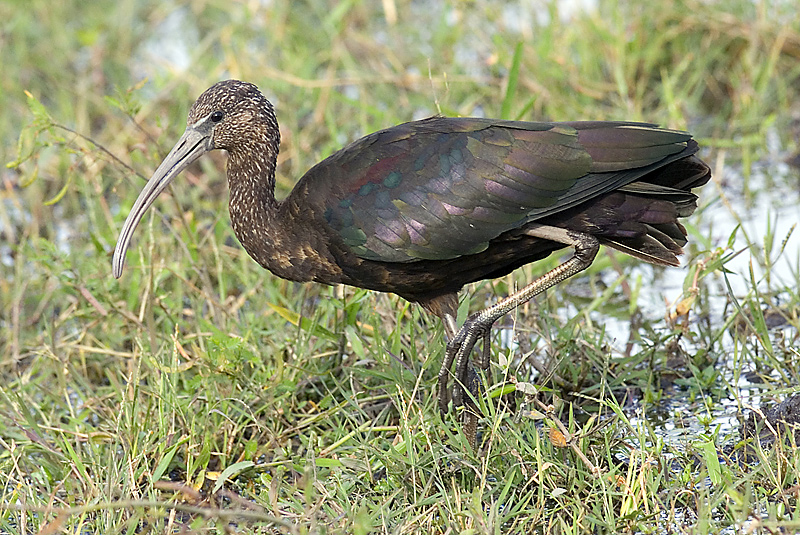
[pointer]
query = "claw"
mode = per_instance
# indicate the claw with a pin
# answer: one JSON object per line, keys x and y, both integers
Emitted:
{"x": 459, "y": 349}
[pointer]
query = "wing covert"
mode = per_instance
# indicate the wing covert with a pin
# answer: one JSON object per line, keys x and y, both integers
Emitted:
{"x": 445, "y": 187}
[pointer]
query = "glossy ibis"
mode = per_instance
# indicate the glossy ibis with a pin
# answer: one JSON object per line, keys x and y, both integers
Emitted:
{"x": 425, "y": 207}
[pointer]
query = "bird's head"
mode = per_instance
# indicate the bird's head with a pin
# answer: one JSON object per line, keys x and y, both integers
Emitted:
{"x": 231, "y": 115}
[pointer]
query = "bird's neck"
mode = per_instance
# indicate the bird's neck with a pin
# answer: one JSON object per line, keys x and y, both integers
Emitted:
{"x": 256, "y": 216}
{"x": 252, "y": 204}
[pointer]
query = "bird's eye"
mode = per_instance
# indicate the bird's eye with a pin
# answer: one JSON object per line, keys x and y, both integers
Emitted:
{"x": 217, "y": 116}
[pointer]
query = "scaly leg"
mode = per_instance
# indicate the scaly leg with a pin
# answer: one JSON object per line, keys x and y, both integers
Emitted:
{"x": 472, "y": 381}
{"x": 479, "y": 325}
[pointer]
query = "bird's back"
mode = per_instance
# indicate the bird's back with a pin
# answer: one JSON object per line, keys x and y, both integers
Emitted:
{"x": 445, "y": 188}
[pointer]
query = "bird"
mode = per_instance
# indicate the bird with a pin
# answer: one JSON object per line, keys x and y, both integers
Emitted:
{"x": 424, "y": 208}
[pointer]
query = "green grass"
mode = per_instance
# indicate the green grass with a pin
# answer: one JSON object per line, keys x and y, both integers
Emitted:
{"x": 199, "y": 392}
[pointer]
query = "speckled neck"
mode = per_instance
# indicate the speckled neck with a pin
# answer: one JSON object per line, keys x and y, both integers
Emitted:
{"x": 253, "y": 209}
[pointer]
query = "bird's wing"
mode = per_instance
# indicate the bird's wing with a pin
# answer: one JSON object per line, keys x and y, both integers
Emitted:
{"x": 444, "y": 187}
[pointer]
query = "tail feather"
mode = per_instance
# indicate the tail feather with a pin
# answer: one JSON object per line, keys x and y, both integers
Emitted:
{"x": 675, "y": 231}
{"x": 662, "y": 241}
{"x": 685, "y": 174}
{"x": 641, "y": 218}
{"x": 654, "y": 247}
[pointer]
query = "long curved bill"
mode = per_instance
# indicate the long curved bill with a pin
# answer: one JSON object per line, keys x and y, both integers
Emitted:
{"x": 189, "y": 148}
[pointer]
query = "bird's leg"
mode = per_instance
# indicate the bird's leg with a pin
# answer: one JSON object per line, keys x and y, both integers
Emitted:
{"x": 450, "y": 325}
{"x": 465, "y": 373}
{"x": 479, "y": 325}
{"x": 472, "y": 380}
{"x": 451, "y": 328}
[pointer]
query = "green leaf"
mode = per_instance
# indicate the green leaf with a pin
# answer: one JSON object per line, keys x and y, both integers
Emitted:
{"x": 232, "y": 471}
{"x": 60, "y": 195}
{"x": 165, "y": 461}
{"x": 711, "y": 459}
{"x": 304, "y": 323}
{"x": 323, "y": 462}
{"x": 355, "y": 341}
{"x": 511, "y": 89}
{"x": 38, "y": 110}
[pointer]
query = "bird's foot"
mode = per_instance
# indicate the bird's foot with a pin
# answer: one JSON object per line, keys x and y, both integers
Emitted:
{"x": 458, "y": 351}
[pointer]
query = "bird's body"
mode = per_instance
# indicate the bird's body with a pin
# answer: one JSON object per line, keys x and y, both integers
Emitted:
{"x": 388, "y": 214}
{"x": 423, "y": 208}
